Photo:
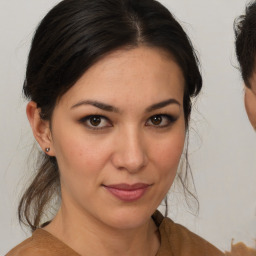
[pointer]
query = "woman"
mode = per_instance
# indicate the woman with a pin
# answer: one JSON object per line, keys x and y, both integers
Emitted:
{"x": 110, "y": 84}
{"x": 245, "y": 45}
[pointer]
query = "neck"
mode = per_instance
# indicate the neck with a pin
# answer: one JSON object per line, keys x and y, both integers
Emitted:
{"x": 89, "y": 236}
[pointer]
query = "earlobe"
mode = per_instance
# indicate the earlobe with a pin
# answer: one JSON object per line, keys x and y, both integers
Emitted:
{"x": 41, "y": 128}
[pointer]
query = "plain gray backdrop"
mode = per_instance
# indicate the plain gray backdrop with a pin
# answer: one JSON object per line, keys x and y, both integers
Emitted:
{"x": 222, "y": 145}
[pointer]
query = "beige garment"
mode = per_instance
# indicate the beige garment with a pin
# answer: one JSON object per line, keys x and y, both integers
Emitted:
{"x": 240, "y": 249}
{"x": 176, "y": 240}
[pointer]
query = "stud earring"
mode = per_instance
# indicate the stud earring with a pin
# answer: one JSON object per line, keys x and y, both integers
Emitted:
{"x": 47, "y": 150}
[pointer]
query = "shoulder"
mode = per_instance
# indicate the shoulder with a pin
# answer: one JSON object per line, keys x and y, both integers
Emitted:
{"x": 241, "y": 249}
{"x": 184, "y": 242}
{"x": 26, "y": 248}
{"x": 41, "y": 243}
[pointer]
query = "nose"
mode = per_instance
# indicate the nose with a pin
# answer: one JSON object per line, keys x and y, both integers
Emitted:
{"x": 130, "y": 153}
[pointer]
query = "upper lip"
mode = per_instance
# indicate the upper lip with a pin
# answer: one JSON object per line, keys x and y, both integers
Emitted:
{"x": 124, "y": 186}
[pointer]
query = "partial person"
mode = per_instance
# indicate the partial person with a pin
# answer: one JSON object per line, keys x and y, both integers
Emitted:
{"x": 109, "y": 84}
{"x": 245, "y": 44}
{"x": 245, "y": 32}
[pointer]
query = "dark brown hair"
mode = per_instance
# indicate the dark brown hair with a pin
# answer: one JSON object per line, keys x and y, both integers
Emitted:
{"x": 70, "y": 39}
{"x": 245, "y": 33}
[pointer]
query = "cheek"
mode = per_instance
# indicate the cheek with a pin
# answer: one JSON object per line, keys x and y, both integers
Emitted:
{"x": 250, "y": 105}
{"x": 166, "y": 161}
{"x": 81, "y": 155}
{"x": 168, "y": 153}
{"x": 81, "y": 162}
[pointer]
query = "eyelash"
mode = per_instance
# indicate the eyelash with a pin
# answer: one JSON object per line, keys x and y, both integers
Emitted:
{"x": 86, "y": 119}
{"x": 169, "y": 118}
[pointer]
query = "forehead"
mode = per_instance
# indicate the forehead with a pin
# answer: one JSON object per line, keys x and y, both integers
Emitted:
{"x": 129, "y": 75}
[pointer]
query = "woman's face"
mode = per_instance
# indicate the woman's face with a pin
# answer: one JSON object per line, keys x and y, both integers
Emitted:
{"x": 118, "y": 136}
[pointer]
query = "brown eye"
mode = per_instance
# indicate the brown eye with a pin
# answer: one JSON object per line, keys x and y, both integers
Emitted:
{"x": 156, "y": 120}
{"x": 95, "y": 120}
{"x": 161, "y": 121}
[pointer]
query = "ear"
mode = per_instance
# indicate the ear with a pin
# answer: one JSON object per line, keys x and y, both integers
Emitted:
{"x": 41, "y": 128}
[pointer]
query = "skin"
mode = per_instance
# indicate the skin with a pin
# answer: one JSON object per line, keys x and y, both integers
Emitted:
{"x": 250, "y": 100}
{"x": 126, "y": 147}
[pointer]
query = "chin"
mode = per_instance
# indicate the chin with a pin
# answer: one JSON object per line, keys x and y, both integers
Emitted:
{"x": 129, "y": 218}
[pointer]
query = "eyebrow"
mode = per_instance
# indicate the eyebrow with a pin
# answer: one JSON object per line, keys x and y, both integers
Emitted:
{"x": 162, "y": 104}
{"x": 97, "y": 104}
{"x": 109, "y": 108}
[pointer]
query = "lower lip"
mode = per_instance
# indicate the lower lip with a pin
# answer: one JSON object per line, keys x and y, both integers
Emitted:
{"x": 127, "y": 195}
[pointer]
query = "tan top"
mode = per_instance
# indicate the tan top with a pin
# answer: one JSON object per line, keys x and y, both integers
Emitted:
{"x": 240, "y": 249}
{"x": 176, "y": 240}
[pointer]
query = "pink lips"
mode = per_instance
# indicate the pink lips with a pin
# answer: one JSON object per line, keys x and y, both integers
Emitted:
{"x": 126, "y": 192}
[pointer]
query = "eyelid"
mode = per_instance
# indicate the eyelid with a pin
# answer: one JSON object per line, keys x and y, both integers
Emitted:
{"x": 171, "y": 119}
{"x": 91, "y": 127}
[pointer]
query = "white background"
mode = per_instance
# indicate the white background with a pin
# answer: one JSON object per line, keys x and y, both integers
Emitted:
{"x": 223, "y": 145}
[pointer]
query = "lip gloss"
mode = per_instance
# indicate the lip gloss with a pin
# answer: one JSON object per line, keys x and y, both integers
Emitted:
{"x": 126, "y": 192}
